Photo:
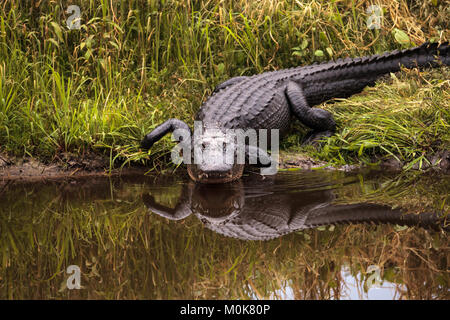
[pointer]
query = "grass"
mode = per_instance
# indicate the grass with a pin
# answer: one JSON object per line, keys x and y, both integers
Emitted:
{"x": 134, "y": 64}
{"x": 406, "y": 117}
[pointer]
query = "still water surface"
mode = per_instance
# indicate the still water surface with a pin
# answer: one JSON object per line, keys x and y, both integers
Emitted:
{"x": 296, "y": 235}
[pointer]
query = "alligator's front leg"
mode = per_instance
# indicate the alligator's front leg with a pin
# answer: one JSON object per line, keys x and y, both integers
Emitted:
{"x": 181, "y": 211}
{"x": 321, "y": 121}
{"x": 161, "y": 130}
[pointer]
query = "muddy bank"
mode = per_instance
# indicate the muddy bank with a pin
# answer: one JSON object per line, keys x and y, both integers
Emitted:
{"x": 70, "y": 165}
{"x": 64, "y": 166}
{"x": 439, "y": 161}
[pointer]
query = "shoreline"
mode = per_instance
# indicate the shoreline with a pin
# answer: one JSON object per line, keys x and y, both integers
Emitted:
{"x": 31, "y": 169}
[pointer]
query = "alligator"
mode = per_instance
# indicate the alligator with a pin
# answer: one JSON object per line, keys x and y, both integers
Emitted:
{"x": 258, "y": 210}
{"x": 269, "y": 100}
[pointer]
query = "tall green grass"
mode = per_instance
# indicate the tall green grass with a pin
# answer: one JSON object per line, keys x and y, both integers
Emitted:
{"x": 134, "y": 64}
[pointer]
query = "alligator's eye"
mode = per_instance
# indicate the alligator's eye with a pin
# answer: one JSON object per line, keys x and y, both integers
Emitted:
{"x": 203, "y": 145}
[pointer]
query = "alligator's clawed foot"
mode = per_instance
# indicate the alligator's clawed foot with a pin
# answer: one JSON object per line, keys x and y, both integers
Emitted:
{"x": 160, "y": 131}
{"x": 313, "y": 138}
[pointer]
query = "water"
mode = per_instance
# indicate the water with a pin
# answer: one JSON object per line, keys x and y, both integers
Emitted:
{"x": 281, "y": 237}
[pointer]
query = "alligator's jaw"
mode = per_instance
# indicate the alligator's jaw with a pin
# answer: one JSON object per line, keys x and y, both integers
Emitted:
{"x": 201, "y": 176}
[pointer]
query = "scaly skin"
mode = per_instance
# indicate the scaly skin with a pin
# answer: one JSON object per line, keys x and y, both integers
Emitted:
{"x": 257, "y": 212}
{"x": 269, "y": 100}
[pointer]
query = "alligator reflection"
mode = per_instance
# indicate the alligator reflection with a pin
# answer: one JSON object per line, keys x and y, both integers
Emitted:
{"x": 257, "y": 209}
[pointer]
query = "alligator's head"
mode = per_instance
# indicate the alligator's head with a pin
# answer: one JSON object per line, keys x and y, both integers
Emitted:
{"x": 215, "y": 174}
{"x": 217, "y": 203}
{"x": 214, "y": 158}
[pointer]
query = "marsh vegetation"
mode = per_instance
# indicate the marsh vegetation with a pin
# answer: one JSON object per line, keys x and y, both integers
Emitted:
{"x": 97, "y": 90}
{"x": 134, "y": 64}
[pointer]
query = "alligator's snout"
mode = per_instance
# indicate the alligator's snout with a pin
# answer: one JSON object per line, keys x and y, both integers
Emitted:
{"x": 214, "y": 158}
{"x": 215, "y": 175}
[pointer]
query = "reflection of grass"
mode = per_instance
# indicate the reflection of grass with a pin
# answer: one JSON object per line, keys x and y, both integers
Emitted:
{"x": 125, "y": 252}
{"x": 133, "y": 65}
{"x": 411, "y": 191}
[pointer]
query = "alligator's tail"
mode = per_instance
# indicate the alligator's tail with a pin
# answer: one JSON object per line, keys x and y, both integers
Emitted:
{"x": 426, "y": 55}
{"x": 345, "y": 77}
{"x": 373, "y": 214}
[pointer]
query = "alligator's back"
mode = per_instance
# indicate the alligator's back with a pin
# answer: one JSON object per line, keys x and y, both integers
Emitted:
{"x": 259, "y": 101}
{"x": 255, "y": 102}
{"x": 268, "y": 100}
{"x": 256, "y": 223}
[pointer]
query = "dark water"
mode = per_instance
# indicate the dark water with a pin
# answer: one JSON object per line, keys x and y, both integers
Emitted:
{"x": 296, "y": 235}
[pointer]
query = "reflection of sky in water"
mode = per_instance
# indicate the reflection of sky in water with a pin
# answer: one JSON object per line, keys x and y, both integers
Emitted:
{"x": 351, "y": 289}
